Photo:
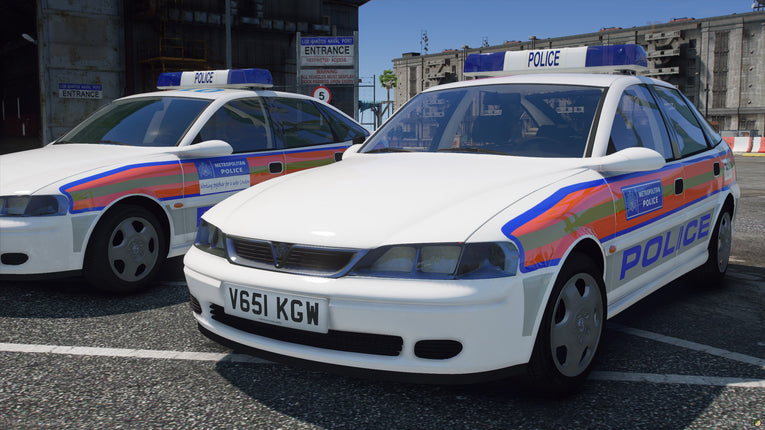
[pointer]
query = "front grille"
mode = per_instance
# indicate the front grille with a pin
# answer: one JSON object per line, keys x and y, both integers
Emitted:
{"x": 255, "y": 251}
{"x": 317, "y": 259}
{"x": 364, "y": 343}
{"x": 291, "y": 258}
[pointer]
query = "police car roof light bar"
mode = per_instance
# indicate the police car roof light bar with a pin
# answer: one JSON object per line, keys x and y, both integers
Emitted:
{"x": 232, "y": 78}
{"x": 629, "y": 58}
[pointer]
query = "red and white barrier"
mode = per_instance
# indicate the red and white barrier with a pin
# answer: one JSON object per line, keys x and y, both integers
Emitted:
{"x": 758, "y": 145}
{"x": 746, "y": 144}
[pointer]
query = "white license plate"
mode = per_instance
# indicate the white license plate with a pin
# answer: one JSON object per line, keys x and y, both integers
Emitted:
{"x": 287, "y": 310}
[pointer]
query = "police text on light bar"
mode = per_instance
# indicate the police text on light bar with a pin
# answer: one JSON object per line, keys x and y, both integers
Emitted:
{"x": 585, "y": 59}
{"x": 233, "y": 78}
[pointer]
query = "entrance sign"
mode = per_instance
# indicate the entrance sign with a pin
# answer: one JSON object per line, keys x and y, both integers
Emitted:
{"x": 80, "y": 91}
{"x": 326, "y": 51}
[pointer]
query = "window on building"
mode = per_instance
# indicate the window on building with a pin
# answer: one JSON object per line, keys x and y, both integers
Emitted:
{"x": 720, "y": 70}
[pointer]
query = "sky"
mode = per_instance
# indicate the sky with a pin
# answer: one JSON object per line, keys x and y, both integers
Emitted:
{"x": 389, "y": 28}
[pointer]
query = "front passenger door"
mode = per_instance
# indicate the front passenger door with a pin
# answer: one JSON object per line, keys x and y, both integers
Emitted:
{"x": 245, "y": 125}
{"x": 646, "y": 232}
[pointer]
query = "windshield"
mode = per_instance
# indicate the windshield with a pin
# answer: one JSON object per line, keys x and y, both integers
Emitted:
{"x": 532, "y": 120}
{"x": 148, "y": 121}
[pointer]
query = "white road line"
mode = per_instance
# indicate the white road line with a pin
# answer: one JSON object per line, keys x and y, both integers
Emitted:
{"x": 748, "y": 359}
{"x": 677, "y": 379}
{"x": 130, "y": 353}
{"x": 243, "y": 358}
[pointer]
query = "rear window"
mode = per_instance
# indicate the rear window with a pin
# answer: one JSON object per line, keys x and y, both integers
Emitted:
{"x": 345, "y": 129}
{"x": 690, "y": 137}
{"x": 301, "y": 122}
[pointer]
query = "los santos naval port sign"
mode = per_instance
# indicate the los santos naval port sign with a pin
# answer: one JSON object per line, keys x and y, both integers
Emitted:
{"x": 326, "y": 51}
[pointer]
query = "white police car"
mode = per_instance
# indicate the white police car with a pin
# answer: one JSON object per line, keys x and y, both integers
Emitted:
{"x": 125, "y": 188}
{"x": 490, "y": 226}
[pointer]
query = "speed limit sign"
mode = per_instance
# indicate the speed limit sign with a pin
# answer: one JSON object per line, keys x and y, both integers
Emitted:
{"x": 323, "y": 94}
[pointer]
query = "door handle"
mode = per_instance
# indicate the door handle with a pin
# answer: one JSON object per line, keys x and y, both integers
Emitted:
{"x": 679, "y": 184}
{"x": 275, "y": 167}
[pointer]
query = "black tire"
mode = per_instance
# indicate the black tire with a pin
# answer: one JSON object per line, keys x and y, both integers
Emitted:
{"x": 571, "y": 330}
{"x": 713, "y": 271}
{"x": 126, "y": 250}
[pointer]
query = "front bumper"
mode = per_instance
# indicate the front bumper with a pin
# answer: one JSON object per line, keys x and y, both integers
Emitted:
{"x": 37, "y": 245}
{"x": 493, "y": 320}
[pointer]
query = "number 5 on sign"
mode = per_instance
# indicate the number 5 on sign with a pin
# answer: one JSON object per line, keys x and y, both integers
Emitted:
{"x": 323, "y": 94}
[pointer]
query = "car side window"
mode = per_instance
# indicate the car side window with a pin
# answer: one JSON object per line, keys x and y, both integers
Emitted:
{"x": 301, "y": 122}
{"x": 242, "y": 123}
{"x": 638, "y": 123}
{"x": 344, "y": 128}
{"x": 690, "y": 137}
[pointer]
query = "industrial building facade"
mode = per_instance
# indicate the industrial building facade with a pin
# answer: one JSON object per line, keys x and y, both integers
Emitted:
{"x": 718, "y": 63}
{"x": 64, "y": 59}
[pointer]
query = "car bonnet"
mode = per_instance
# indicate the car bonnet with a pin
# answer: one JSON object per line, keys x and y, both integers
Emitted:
{"x": 372, "y": 200}
{"x": 29, "y": 171}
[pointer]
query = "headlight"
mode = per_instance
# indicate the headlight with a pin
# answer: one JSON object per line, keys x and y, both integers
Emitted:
{"x": 440, "y": 261}
{"x": 211, "y": 239}
{"x": 16, "y": 206}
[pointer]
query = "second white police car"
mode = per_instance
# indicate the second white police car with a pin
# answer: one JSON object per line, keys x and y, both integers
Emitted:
{"x": 125, "y": 189}
{"x": 490, "y": 226}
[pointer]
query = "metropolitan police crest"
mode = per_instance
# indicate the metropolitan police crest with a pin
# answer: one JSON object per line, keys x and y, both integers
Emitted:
{"x": 204, "y": 170}
{"x": 631, "y": 203}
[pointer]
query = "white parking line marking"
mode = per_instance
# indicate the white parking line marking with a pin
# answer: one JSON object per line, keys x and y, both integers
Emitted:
{"x": 748, "y": 359}
{"x": 242, "y": 358}
{"x": 677, "y": 379}
{"x": 130, "y": 353}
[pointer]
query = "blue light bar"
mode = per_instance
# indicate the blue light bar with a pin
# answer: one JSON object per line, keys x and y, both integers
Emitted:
{"x": 233, "y": 78}
{"x": 587, "y": 59}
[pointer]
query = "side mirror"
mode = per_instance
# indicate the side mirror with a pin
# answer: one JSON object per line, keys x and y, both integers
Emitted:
{"x": 208, "y": 148}
{"x": 351, "y": 151}
{"x": 628, "y": 160}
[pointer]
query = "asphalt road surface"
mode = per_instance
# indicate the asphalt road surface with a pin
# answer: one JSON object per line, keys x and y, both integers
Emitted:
{"x": 688, "y": 356}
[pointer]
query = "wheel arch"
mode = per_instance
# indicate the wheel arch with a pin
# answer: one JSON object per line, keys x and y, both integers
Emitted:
{"x": 729, "y": 205}
{"x": 143, "y": 201}
{"x": 591, "y": 248}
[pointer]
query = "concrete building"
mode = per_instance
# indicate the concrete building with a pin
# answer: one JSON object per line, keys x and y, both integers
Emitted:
{"x": 62, "y": 59}
{"x": 718, "y": 63}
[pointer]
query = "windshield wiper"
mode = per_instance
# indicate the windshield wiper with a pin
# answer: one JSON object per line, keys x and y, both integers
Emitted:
{"x": 389, "y": 149}
{"x": 473, "y": 151}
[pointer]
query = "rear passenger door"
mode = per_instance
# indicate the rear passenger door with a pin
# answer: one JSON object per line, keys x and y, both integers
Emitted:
{"x": 311, "y": 134}
{"x": 701, "y": 176}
